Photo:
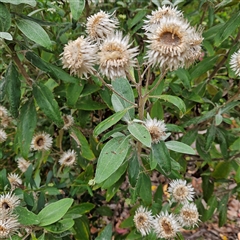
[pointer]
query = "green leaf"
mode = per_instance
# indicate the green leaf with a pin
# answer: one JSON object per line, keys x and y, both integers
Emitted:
{"x": 106, "y": 234}
{"x": 140, "y": 133}
{"x": 110, "y": 121}
{"x": 161, "y": 155}
{"x": 82, "y": 141}
{"x": 79, "y": 209}
{"x": 111, "y": 191}
{"x": 47, "y": 103}
{"x": 137, "y": 18}
{"x": 34, "y": 32}
{"x": 73, "y": 92}
{"x": 5, "y": 18}
{"x": 210, "y": 136}
{"x": 111, "y": 157}
{"x": 81, "y": 227}
{"x": 179, "y": 147}
{"x": 3, "y": 84}
{"x": 88, "y": 104}
{"x": 25, "y": 217}
{"x": 144, "y": 186}
{"x": 223, "y": 206}
{"x": 76, "y": 7}
{"x": 13, "y": 89}
{"x": 235, "y": 145}
{"x": 222, "y": 170}
{"x": 185, "y": 77}
{"x": 133, "y": 169}
{"x": 6, "y": 35}
{"x": 176, "y": 101}
{"x": 54, "y": 211}
{"x": 237, "y": 175}
{"x": 208, "y": 187}
{"x": 157, "y": 110}
{"x": 61, "y": 226}
{"x": 212, "y": 205}
{"x": 17, "y": 2}
{"x": 26, "y": 126}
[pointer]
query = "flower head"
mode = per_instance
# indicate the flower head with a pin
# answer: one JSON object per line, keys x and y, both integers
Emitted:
{"x": 3, "y": 111}
{"x": 68, "y": 121}
{"x": 100, "y": 25}
{"x": 116, "y": 56}
{"x": 181, "y": 191}
{"x": 235, "y": 63}
{"x": 68, "y": 158}
{"x": 5, "y": 121}
{"x": 79, "y": 56}
{"x": 156, "y": 129}
{"x": 143, "y": 220}
{"x": 166, "y": 225}
{"x": 14, "y": 180}
{"x": 189, "y": 216}
{"x": 3, "y": 136}
{"x": 23, "y": 164}
{"x": 41, "y": 141}
{"x": 8, "y": 202}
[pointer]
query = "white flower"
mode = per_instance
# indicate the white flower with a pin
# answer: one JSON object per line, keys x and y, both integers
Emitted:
{"x": 181, "y": 191}
{"x": 68, "y": 158}
{"x": 3, "y": 136}
{"x": 23, "y": 164}
{"x": 115, "y": 56}
{"x": 166, "y": 225}
{"x": 235, "y": 62}
{"x": 68, "y": 121}
{"x": 3, "y": 111}
{"x": 5, "y": 121}
{"x": 41, "y": 141}
{"x": 156, "y": 129}
{"x": 8, "y": 202}
{"x": 100, "y": 25}
{"x": 189, "y": 216}
{"x": 143, "y": 220}
{"x": 14, "y": 180}
{"x": 79, "y": 56}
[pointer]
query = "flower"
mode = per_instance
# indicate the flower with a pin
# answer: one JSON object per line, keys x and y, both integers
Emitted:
{"x": 3, "y": 135}
{"x": 3, "y": 111}
{"x": 100, "y": 25}
{"x": 79, "y": 56}
{"x": 23, "y": 164}
{"x": 143, "y": 220}
{"x": 189, "y": 216}
{"x": 5, "y": 121}
{"x": 235, "y": 62}
{"x": 8, "y": 225}
{"x": 181, "y": 191}
{"x": 41, "y": 141}
{"x": 8, "y": 202}
{"x": 68, "y": 121}
{"x": 68, "y": 158}
{"x": 156, "y": 129}
{"x": 14, "y": 180}
{"x": 115, "y": 56}
{"x": 166, "y": 225}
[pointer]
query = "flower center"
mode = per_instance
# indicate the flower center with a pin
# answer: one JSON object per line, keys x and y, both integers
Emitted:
{"x": 141, "y": 220}
{"x": 169, "y": 38}
{"x": 5, "y": 205}
{"x": 189, "y": 214}
{"x": 181, "y": 192}
{"x": 166, "y": 225}
{"x": 114, "y": 52}
{"x": 69, "y": 159}
{"x": 65, "y": 119}
{"x": 40, "y": 142}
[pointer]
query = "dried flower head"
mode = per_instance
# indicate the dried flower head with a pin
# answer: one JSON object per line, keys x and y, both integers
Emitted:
{"x": 14, "y": 180}
{"x": 143, "y": 220}
{"x": 115, "y": 56}
{"x": 100, "y": 25}
{"x": 68, "y": 158}
{"x": 166, "y": 225}
{"x": 23, "y": 164}
{"x": 3, "y": 136}
{"x": 156, "y": 129}
{"x": 235, "y": 63}
{"x": 79, "y": 56}
{"x": 68, "y": 121}
{"x": 189, "y": 216}
{"x": 5, "y": 121}
{"x": 8, "y": 202}
{"x": 8, "y": 225}
{"x": 3, "y": 111}
{"x": 181, "y": 191}
{"x": 41, "y": 141}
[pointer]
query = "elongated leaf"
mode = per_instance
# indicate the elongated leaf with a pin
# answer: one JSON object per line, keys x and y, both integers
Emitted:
{"x": 81, "y": 227}
{"x": 54, "y": 211}
{"x": 235, "y": 146}
{"x": 73, "y": 92}
{"x": 82, "y": 208}
{"x": 26, "y": 126}
{"x": 16, "y": 2}
{"x": 222, "y": 170}
{"x": 82, "y": 141}
{"x": 137, "y": 18}
{"x": 212, "y": 205}
{"x": 107, "y": 123}
{"x": 61, "y": 226}
{"x": 89, "y": 105}
{"x": 210, "y": 136}
{"x": 133, "y": 169}
{"x": 111, "y": 157}
{"x": 25, "y": 217}
{"x": 179, "y": 147}
{"x": 34, "y": 32}
{"x": 5, "y": 18}
{"x": 13, "y": 89}
{"x": 47, "y": 103}
{"x": 140, "y": 133}
{"x": 3, "y": 84}
{"x": 76, "y": 7}
{"x": 144, "y": 186}
{"x": 106, "y": 233}
{"x": 111, "y": 191}
{"x": 6, "y": 35}
{"x": 184, "y": 76}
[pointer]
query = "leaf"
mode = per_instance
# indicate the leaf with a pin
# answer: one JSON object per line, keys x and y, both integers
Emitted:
{"x": 3, "y": 84}
{"x": 140, "y": 133}
{"x": 5, "y": 18}
{"x": 222, "y": 170}
{"x": 6, "y": 35}
{"x": 111, "y": 191}
{"x": 88, "y": 104}
{"x": 144, "y": 186}
{"x": 223, "y": 205}
{"x": 137, "y": 18}
{"x": 106, "y": 234}
{"x": 25, "y": 217}
{"x": 61, "y": 226}
{"x": 210, "y": 136}
{"x": 17, "y": 2}
{"x": 73, "y": 92}
{"x": 185, "y": 77}
{"x": 54, "y": 211}
{"x": 13, "y": 89}
{"x": 81, "y": 227}
{"x": 179, "y": 147}
{"x": 235, "y": 145}
{"x": 26, "y": 126}
{"x": 237, "y": 175}
{"x": 34, "y": 32}
{"x": 133, "y": 169}
{"x": 212, "y": 205}
{"x": 79, "y": 209}
{"x": 76, "y": 7}
{"x": 86, "y": 151}
{"x": 111, "y": 157}
{"x": 110, "y": 121}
